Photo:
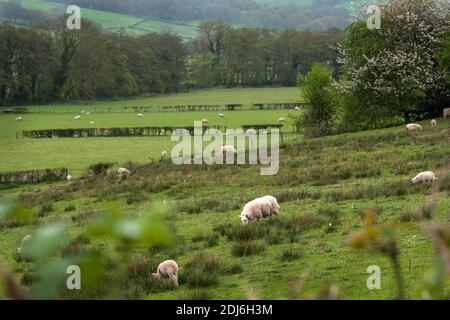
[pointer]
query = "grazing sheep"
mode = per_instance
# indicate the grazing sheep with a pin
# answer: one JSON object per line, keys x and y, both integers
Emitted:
{"x": 168, "y": 269}
{"x": 77, "y": 117}
{"x": 25, "y": 240}
{"x": 221, "y": 115}
{"x": 19, "y": 119}
{"x": 205, "y": 121}
{"x": 434, "y": 123}
{"x": 297, "y": 108}
{"x": 228, "y": 149}
{"x": 122, "y": 171}
{"x": 424, "y": 177}
{"x": 140, "y": 115}
{"x": 282, "y": 120}
{"x": 92, "y": 122}
{"x": 446, "y": 113}
{"x": 263, "y": 207}
{"x": 412, "y": 127}
{"x": 69, "y": 177}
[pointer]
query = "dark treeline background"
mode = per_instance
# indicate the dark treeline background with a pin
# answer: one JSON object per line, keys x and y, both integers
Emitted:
{"x": 320, "y": 15}
{"x": 51, "y": 63}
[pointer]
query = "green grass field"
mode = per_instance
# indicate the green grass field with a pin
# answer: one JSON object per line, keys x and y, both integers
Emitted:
{"x": 44, "y": 153}
{"x": 332, "y": 179}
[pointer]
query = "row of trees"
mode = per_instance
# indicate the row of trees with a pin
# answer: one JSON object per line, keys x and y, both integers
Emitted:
{"x": 399, "y": 73}
{"x": 52, "y": 63}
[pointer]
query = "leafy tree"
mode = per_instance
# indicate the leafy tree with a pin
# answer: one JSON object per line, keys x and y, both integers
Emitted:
{"x": 397, "y": 64}
{"x": 319, "y": 116}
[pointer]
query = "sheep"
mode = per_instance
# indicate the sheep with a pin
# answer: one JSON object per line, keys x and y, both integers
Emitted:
{"x": 228, "y": 149}
{"x": 412, "y": 127}
{"x": 168, "y": 269}
{"x": 122, "y": 171}
{"x": 23, "y": 243}
{"x": 297, "y": 108}
{"x": 263, "y": 207}
{"x": 434, "y": 123}
{"x": 282, "y": 120}
{"x": 19, "y": 119}
{"x": 69, "y": 177}
{"x": 423, "y": 177}
{"x": 205, "y": 121}
{"x": 77, "y": 117}
{"x": 164, "y": 154}
{"x": 92, "y": 122}
{"x": 140, "y": 115}
{"x": 446, "y": 113}
{"x": 221, "y": 115}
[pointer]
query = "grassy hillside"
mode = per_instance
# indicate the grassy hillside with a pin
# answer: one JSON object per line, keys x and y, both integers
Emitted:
{"x": 113, "y": 21}
{"x": 321, "y": 181}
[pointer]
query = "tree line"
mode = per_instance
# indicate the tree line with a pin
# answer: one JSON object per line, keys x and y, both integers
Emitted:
{"x": 51, "y": 63}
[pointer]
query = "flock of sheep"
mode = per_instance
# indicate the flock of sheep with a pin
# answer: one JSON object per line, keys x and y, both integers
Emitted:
{"x": 260, "y": 208}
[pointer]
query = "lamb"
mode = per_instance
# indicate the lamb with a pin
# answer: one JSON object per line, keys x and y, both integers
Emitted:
{"x": 19, "y": 119}
{"x": 446, "y": 113}
{"x": 140, "y": 115}
{"x": 123, "y": 171}
{"x": 23, "y": 244}
{"x": 168, "y": 269}
{"x": 92, "y": 122}
{"x": 412, "y": 127}
{"x": 423, "y": 177}
{"x": 228, "y": 149}
{"x": 77, "y": 117}
{"x": 282, "y": 120}
{"x": 221, "y": 115}
{"x": 434, "y": 123}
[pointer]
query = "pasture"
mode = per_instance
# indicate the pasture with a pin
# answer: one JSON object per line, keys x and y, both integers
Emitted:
{"x": 323, "y": 181}
{"x": 45, "y": 153}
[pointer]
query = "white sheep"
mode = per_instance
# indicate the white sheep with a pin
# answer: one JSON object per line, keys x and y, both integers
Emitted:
{"x": 263, "y": 207}
{"x": 228, "y": 149}
{"x": 282, "y": 120}
{"x": 446, "y": 113}
{"x": 23, "y": 243}
{"x": 412, "y": 127}
{"x": 297, "y": 108}
{"x": 140, "y": 115}
{"x": 19, "y": 119}
{"x": 77, "y": 117}
{"x": 168, "y": 269}
{"x": 92, "y": 122}
{"x": 205, "y": 121}
{"x": 221, "y": 115}
{"x": 434, "y": 123}
{"x": 123, "y": 171}
{"x": 423, "y": 177}
{"x": 69, "y": 177}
